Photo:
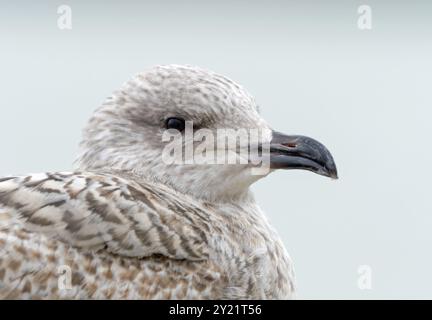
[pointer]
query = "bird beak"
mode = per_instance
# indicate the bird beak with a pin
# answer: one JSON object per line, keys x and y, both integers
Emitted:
{"x": 299, "y": 152}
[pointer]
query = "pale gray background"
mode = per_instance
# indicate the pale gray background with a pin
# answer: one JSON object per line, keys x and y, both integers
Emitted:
{"x": 365, "y": 94}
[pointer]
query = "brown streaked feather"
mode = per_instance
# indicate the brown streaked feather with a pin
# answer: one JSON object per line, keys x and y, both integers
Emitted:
{"x": 75, "y": 209}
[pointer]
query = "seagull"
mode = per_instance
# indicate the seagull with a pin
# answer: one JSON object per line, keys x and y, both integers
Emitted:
{"x": 127, "y": 225}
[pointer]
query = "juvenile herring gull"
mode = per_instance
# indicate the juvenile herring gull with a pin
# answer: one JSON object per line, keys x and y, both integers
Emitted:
{"x": 127, "y": 225}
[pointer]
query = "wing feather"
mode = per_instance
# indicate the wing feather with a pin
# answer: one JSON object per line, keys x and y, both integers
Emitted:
{"x": 113, "y": 238}
{"x": 101, "y": 211}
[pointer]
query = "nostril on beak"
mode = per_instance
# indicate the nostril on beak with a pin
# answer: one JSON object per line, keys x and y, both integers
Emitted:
{"x": 290, "y": 145}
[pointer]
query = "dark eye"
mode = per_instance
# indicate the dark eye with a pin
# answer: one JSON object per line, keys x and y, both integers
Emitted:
{"x": 175, "y": 123}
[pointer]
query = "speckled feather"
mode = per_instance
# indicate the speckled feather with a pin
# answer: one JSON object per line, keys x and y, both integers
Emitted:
{"x": 128, "y": 231}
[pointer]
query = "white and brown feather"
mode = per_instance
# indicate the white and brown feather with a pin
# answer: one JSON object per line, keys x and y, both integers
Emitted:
{"x": 123, "y": 239}
{"x": 129, "y": 225}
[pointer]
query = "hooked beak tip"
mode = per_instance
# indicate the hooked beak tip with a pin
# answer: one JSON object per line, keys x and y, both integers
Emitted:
{"x": 300, "y": 152}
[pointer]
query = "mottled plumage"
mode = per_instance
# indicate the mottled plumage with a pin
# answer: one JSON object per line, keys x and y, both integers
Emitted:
{"x": 124, "y": 239}
{"x": 127, "y": 225}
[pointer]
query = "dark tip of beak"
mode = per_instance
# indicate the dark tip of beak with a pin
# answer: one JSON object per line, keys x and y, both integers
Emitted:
{"x": 300, "y": 152}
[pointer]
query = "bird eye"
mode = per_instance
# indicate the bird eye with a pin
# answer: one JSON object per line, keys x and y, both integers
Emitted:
{"x": 175, "y": 123}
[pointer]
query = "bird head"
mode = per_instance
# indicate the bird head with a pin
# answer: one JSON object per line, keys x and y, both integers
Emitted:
{"x": 193, "y": 130}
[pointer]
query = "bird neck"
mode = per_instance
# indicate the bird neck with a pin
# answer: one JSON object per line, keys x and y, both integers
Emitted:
{"x": 220, "y": 192}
